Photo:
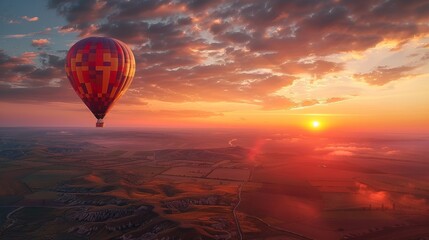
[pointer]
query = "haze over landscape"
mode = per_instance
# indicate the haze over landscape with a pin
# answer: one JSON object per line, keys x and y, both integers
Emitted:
{"x": 358, "y": 64}
{"x": 295, "y": 119}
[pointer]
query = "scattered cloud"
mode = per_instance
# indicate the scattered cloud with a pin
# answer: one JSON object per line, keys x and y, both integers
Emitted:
{"x": 204, "y": 50}
{"x": 42, "y": 42}
{"x": 277, "y": 102}
{"x": 371, "y": 197}
{"x": 13, "y": 21}
{"x": 66, "y": 29}
{"x": 309, "y": 102}
{"x": 18, "y": 35}
{"x": 383, "y": 75}
{"x": 185, "y": 114}
{"x": 24, "y": 79}
{"x": 354, "y": 149}
{"x": 176, "y": 114}
{"x": 30, "y": 19}
{"x": 241, "y": 51}
{"x": 335, "y": 99}
{"x": 23, "y": 35}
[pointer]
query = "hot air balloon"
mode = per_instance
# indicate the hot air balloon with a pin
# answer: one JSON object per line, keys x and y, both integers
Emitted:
{"x": 100, "y": 69}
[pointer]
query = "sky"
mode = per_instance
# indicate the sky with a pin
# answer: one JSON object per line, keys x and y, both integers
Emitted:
{"x": 351, "y": 65}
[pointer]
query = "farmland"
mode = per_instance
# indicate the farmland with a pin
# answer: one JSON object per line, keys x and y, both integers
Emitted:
{"x": 74, "y": 184}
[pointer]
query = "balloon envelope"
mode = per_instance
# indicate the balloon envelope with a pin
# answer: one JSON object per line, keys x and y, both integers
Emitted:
{"x": 100, "y": 69}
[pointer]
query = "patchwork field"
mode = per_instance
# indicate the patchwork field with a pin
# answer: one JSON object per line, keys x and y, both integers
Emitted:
{"x": 230, "y": 174}
{"x": 81, "y": 186}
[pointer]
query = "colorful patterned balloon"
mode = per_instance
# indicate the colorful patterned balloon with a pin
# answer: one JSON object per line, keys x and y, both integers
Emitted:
{"x": 100, "y": 69}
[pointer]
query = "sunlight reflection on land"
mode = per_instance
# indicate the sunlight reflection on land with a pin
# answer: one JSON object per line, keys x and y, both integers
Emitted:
{"x": 297, "y": 185}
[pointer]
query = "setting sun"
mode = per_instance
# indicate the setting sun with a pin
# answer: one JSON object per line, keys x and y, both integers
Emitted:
{"x": 315, "y": 124}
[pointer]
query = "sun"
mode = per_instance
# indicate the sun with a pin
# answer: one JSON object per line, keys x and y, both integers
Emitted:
{"x": 315, "y": 124}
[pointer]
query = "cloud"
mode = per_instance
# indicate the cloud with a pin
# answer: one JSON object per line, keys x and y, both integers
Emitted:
{"x": 277, "y": 102}
{"x": 354, "y": 149}
{"x": 217, "y": 50}
{"x": 18, "y": 35}
{"x": 24, "y": 79}
{"x": 346, "y": 150}
{"x": 43, "y": 32}
{"x": 24, "y": 58}
{"x": 383, "y": 75}
{"x": 368, "y": 196}
{"x": 309, "y": 102}
{"x": 30, "y": 19}
{"x": 50, "y": 60}
{"x": 335, "y": 99}
{"x": 13, "y": 21}
{"x": 66, "y": 29}
{"x": 81, "y": 13}
{"x": 44, "y": 94}
{"x": 316, "y": 68}
{"x": 174, "y": 114}
{"x": 42, "y": 42}
{"x": 185, "y": 114}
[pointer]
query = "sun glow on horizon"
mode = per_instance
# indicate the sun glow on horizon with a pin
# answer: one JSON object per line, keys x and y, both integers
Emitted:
{"x": 315, "y": 124}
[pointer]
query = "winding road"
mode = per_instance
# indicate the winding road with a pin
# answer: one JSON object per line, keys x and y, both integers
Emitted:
{"x": 240, "y": 234}
{"x": 9, "y": 220}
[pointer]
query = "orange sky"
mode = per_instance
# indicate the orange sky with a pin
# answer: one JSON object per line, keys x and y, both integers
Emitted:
{"x": 358, "y": 66}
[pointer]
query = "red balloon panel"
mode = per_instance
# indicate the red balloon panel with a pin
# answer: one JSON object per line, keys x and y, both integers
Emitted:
{"x": 100, "y": 71}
